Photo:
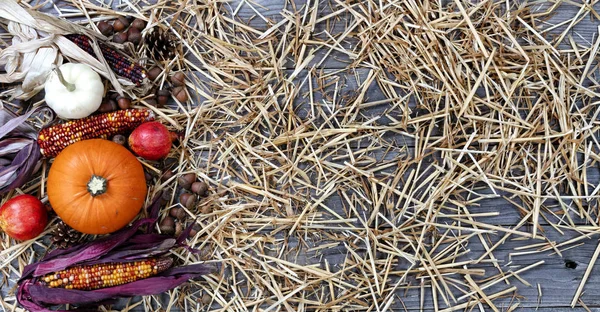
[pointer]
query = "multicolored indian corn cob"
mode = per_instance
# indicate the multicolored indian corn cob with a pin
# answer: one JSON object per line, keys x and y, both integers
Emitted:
{"x": 54, "y": 139}
{"x": 90, "y": 277}
{"x": 117, "y": 62}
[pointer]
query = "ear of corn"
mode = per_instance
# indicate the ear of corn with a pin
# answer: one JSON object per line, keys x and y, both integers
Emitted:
{"x": 117, "y": 62}
{"x": 90, "y": 277}
{"x": 54, "y": 139}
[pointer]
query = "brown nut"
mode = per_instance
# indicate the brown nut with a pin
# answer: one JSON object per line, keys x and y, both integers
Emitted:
{"x": 107, "y": 105}
{"x": 187, "y": 200}
{"x": 162, "y": 92}
{"x": 119, "y": 139}
{"x": 167, "y": 225}
{"x": 134, "y": 35}
{"x": 206, "y": 299}
{"x": 178, "y": 79}
{"x": 186, "y": 180}
{"x": 178, "y": 213}
{"x": 151, "y": 102}
{"x": 200, "y": 188}
{"x": 165, "y": 197}
{"x": 178, "y": 228}
{"x": 167, "y": 175}
{"x": 124, "y": 102}
{"x": 140, "y": 24}
{"x": 120, "y": 37}
{"x": 154, "y": 72}
{"x": 121, "y": 24}
{"x": 180, "y": 94}
{"x": 105, "y": 28}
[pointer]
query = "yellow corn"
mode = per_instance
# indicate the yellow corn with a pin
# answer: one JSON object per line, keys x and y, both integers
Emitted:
{"x": 90, "y": 277}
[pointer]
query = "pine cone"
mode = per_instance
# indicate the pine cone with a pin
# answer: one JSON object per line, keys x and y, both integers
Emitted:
{"x": 64, "y": 236}
{"x": 159, "y": 44}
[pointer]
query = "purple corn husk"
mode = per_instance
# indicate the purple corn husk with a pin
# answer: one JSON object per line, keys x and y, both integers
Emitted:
{"x": 19, "y": 150}
{"x": 128, "y": 244}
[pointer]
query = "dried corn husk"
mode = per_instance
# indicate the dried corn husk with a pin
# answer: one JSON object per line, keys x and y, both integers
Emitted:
{"x": 38, "y": 43}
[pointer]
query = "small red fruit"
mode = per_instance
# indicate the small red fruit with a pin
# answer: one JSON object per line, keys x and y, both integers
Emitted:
{"x": 151, "y": 140}
{"x": 23, "y": 217}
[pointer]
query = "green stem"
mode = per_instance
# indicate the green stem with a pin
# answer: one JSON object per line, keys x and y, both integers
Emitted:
{"x": 68, "y": 85}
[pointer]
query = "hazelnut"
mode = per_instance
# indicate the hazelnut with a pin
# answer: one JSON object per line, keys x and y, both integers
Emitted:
{"x": 119, "y": 139}
{"x": 120, "y": 37}
{"x": 123, "y": 102}
{"x": 121, "y": 23}
{"x": 205, "y": 209}
{"x": 134, "y": 35}
{"x": 187, "y": 200}
{"x": 180, "y": 94}
{"x": 105, "y": 28}
{"x": 139, "y": 24}
{"x": 148, "y": 176}
{"x": 178, "y": 79}
{"x": 186, "y": 180}
{"x": 154, "y": 72}
{"x": 178, "y": 213}
{"x": 167, "y": 225}
{"x": 167, "y": 175}
{"x": 199, "y": 188}
{"x": 107, "y": 105}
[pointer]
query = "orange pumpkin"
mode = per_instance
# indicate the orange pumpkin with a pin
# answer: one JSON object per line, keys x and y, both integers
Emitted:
{"x": 96, "y": 186}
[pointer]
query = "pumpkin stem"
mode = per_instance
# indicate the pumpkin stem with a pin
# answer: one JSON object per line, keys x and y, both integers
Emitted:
{"x": 97, "y": 185}
{"x": 68, "y": 85}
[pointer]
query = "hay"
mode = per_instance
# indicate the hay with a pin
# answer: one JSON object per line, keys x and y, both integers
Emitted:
{"x": 353, "y": 150}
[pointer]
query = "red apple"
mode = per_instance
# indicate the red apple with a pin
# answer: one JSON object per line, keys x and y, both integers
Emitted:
{"x": 151, "y": 140}
{"x": 23, "y": 217}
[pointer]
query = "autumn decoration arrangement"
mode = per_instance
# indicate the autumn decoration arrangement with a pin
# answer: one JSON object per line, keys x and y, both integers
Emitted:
{"x": 99, "y": 126}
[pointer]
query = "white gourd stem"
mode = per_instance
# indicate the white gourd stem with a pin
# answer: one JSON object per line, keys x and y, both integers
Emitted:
{"x": 68, "y": 85}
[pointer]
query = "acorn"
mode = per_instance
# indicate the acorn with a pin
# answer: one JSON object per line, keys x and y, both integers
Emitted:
{"x": 178, "y": 213}
{"x": 165, "y": 197}
{"x": 107, "y": 106}
{"x": 119, "y": 139}
{"x": 206, "y": 298}
{"x": 162, "y": 97}
{"x": 186, "y": 180}
{"x": 121, "y": 23}
{"x": 167, "y": 175}
{"x": 180, "y": 94}
{"x": 167, "y": 225}
{"x": 139, "y": 24}
{"x": 178, "y": 228}
{"x": 105, "y": 28}
{"x": 187, "y": 200}
{"x": 152, "y": 102}
{"x": 178, "y": 79}
{"x": 134, "y": 35}
{"x": 154, "y": 72}
{"x": 120, "y": 37}
{"x": 124, "y": 102}
{"x": 200, "y": 188}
